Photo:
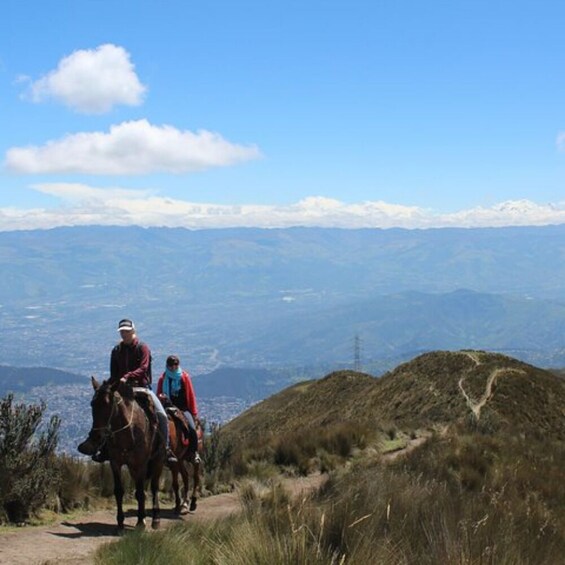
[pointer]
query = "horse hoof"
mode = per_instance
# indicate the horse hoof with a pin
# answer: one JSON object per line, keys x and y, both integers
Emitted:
{"x": 193, "y": 504}
{"x": 156, "y": 523}
{"x": 183, "y": 509}
{"x": 140, "y": 525}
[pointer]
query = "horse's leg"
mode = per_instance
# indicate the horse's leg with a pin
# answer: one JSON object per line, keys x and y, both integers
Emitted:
{"x": 184, "y": 474}
{"x": 140, "y": 497}
{"x": 196, "y": 484}
{"x": 175, "y": 468}
{"x": 155, "y": 476}
{"x": 118, "y": 494}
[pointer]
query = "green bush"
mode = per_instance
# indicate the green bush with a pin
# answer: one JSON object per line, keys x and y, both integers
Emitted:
{"x": 28, "y": 472}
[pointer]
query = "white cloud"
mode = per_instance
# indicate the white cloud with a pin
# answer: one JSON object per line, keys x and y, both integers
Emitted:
{"x": 91, "y": 81}
{"x": 86, "y": 205}
{"x": 130, "y": 148}
{"x": 509, "y": 213}
{"x": 76, "y": 192}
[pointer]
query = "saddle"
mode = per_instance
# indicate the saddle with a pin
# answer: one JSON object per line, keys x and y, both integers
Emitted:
{"x": 175, "y": 414}
{"x": 142, "y": 397}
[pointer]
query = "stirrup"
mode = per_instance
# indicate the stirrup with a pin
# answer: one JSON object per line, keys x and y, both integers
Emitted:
{"x": 171, "y": 457}
{"x": 196, "y": 458}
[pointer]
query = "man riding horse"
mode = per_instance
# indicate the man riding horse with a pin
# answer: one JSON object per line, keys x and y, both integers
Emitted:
{"x": 130, "y": 362}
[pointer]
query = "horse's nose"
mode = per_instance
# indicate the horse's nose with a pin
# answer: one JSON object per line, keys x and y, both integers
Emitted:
{"x": 91, "y": 444}
{"x": 87, "y": 447}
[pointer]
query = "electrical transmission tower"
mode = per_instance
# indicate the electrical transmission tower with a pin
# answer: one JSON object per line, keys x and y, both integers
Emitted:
{"x": 357, "y": 353}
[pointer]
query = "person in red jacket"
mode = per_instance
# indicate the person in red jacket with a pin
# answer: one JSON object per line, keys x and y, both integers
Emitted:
{"x": 175, "y": 385}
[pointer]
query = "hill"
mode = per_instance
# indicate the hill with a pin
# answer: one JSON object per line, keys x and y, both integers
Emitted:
{"x": 476, "y": 474}
{"x": 22, "y": 379}
{"x": 434, "y": 389}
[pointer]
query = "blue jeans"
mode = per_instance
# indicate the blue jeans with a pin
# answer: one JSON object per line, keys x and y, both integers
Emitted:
{"x": 161, "y": 414}
{"x": 193, "y": 439}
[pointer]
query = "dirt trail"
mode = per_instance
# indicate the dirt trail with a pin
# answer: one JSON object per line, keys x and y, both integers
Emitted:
{"x": 74, "y": 541}
{"x": 476, "y": 407}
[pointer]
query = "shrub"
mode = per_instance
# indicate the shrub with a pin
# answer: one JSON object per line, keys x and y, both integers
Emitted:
{"x": 28, "y": 473}
{"x": 75, "y": 484}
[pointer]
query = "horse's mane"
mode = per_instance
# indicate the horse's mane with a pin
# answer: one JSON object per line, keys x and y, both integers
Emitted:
{"x": 125, "y": 390}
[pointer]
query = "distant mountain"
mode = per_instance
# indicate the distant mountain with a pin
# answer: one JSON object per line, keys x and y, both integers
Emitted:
{"x": 436, "y": 388}
{"x": 407, "y": 322}
{"x": 281, "y": 297}
{"x": 246, "y": 383}
{"x": 22, "y": 379}
{"x": 109, "y": 263}
{"x": 249, "y": 384}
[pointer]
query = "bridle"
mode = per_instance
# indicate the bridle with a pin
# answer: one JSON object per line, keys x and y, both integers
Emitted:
{"x": 108, "y": 431}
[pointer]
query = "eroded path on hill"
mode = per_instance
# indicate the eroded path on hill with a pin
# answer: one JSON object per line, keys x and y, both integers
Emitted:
{"x": 74, "y": 541}
{"x": 476, "y": 406}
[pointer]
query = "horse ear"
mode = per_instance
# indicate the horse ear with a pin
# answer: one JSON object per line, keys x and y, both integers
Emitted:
{"x": 95, "y": 383}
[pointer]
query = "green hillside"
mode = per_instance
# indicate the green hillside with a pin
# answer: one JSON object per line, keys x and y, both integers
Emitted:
{"x": 434, "y": 389}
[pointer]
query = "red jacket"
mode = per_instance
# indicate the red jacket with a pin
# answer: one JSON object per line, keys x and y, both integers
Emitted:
{"x": 186, "y": 400}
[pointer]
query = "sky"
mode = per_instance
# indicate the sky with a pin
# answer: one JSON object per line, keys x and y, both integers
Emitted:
{"x": 374, "y": 114}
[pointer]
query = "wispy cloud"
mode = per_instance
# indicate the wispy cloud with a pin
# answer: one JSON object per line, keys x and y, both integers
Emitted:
{"x": 561, "y": 141}
{"x": 130, "y": 148}
{"x": 86, "y": 205}
{"x": 91, "y": 81}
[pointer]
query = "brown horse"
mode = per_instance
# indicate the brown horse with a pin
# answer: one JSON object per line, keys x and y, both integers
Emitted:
{"x": 119, "y": 422}
{"x": 177, "y": 426}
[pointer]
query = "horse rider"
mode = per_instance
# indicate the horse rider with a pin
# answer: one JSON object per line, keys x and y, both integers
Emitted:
{"x": 175, "y": 386}
{"x": 130, "y": 361}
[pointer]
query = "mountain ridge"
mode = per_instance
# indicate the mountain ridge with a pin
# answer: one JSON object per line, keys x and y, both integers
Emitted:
{"x": 432, "y": 390}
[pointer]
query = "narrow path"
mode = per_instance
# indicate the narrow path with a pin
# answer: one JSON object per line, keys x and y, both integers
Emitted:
{"x": 410, "y": 446}
{"x": 476, "y": 407}
{"x": 474, "y": 355}
{"x": 74, "y": 541}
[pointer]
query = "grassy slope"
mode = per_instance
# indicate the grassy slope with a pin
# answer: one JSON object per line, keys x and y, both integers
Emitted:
{"x": 417, "y": 394}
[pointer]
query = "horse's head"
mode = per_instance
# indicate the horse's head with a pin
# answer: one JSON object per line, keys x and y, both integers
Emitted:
{"x": 103, "y": 404}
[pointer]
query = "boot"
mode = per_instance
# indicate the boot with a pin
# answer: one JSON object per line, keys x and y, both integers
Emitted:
{"x": 171, "y": 458}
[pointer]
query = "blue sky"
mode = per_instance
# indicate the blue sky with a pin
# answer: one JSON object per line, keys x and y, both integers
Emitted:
{"x": 349, "y": 114}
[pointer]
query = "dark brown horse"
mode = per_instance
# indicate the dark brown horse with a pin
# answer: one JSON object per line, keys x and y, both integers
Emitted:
{"x": 179, "y": 445}
{"x": 124, "y": 427}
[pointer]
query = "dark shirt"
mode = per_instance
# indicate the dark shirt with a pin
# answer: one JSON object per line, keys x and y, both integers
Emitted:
{"x": 179, "y": 399}
{"x": 132, "y": 362}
